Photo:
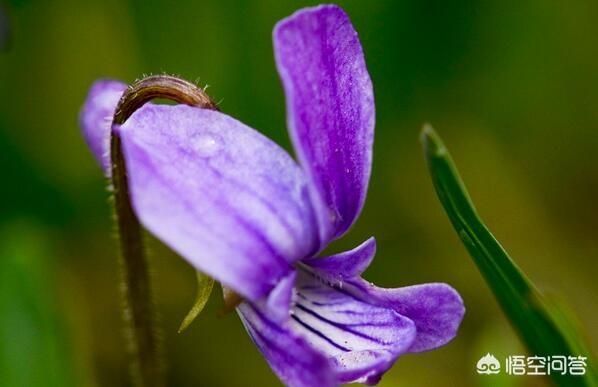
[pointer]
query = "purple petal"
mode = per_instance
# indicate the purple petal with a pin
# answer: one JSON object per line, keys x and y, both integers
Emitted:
{"x": 280, "y": 298}
{"x": 361, "y": 340}
{"x": 436, "y": 309}
{"x": 291, "y": 357}
{"x": 346, "y": 265}
{"x": 96, "y": 118}
{"x": 330, "y": 109}
{"x": 226, "y": 198}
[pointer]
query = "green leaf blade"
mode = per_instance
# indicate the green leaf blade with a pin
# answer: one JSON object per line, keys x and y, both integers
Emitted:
{"x": 543, "y": 330}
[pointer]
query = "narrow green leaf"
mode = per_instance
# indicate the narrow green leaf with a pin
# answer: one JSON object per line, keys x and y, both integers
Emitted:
{"x": 205, "y": 285}
{"x": 544, "y": 328}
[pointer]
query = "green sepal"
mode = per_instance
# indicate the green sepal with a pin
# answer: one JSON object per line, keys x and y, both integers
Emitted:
{"x": 205, "y": 284}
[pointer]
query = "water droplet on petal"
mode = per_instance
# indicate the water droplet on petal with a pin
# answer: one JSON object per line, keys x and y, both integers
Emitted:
{"x": 206, "y": 145}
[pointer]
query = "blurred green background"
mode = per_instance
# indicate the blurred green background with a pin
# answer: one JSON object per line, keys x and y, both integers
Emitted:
{"x": 512, "y": 86}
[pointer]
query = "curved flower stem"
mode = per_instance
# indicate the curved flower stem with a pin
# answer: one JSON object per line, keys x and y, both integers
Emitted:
{"x": 142, "y": 335}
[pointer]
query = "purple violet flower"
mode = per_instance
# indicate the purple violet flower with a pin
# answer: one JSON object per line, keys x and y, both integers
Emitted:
{"x": 239, "y": 208}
